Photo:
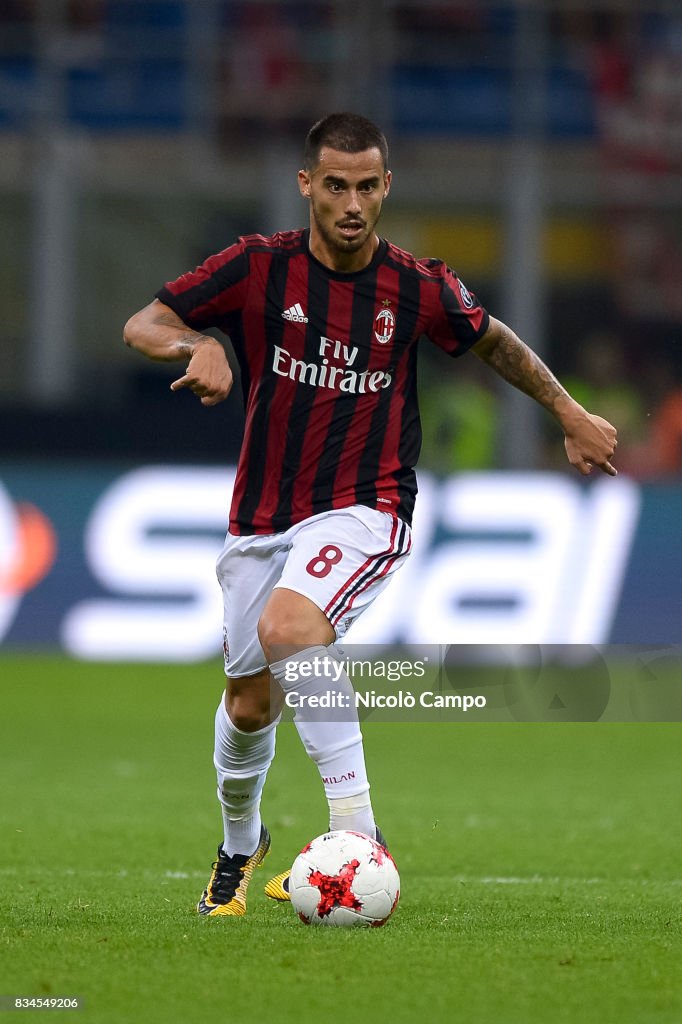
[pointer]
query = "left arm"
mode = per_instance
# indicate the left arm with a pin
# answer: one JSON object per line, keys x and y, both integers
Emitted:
{"x": 590, "y": 440}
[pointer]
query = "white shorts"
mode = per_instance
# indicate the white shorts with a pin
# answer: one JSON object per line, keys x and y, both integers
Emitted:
{"x": 340, "y": 559}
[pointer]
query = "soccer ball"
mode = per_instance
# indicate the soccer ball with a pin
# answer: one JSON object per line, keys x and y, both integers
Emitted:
{"x": 344, "y": 879}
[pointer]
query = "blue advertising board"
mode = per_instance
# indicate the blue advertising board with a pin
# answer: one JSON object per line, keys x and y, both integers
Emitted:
{"x": 117, "y": 562}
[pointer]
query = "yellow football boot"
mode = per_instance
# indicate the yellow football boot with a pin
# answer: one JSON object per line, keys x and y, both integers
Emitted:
{"x": 225, "y": 894}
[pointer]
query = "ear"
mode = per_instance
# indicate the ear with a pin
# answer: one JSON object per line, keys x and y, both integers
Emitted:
{"x": 304, "y": 184}
{"x": 388, "y": 177}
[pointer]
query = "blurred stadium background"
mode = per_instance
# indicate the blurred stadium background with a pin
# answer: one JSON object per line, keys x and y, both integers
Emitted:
{"x": 537, "y": 147}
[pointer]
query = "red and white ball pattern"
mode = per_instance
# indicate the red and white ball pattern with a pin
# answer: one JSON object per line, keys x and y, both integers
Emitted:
{"x": 344, "y": 879}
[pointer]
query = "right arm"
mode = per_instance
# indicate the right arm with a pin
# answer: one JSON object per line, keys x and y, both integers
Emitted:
{"x": 159, "y": 333}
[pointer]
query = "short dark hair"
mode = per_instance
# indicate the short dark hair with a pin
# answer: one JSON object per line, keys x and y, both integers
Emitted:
{"x": 348, "y": 133}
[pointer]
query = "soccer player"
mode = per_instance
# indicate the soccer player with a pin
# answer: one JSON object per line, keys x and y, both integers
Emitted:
{"x": 325, "y": 324}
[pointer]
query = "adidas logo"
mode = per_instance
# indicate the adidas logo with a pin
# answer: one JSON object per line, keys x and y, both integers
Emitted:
{"x": 295, "y": 313}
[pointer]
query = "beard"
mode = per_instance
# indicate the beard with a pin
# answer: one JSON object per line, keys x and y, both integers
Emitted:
{"x": 334, "y": 240}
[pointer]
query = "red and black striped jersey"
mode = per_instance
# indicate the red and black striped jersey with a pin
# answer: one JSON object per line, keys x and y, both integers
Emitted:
{"x": 328, "y": 364}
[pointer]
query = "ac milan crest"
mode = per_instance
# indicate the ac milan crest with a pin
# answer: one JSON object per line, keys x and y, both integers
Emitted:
{"x": 384, "y": 324}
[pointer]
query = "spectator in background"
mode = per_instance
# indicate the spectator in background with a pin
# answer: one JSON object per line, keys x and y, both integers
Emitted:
{"x": 85, "y": 14}
{"x": 659, "y": 455}
{"x": 603, "y": 379}
{"x": 459, "y": 418}
{"x": 272, "y": 77}
{"x": 647, "y": 406}
{"x": 666, "y": 436}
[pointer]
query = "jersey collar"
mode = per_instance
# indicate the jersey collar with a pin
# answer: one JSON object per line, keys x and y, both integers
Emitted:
{"x": 339, "y": 275}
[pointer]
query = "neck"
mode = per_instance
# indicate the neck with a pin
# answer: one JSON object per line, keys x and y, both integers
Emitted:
{"x": 336, "y": 259}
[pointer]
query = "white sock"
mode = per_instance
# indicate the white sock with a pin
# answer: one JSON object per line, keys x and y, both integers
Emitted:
{"x": 354, "y": 813}
{"x": 331, "y": 736}
{"x": 242, "y": 760}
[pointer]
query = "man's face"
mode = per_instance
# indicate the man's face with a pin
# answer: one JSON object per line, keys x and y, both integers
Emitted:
{"x": 346, "y": 191}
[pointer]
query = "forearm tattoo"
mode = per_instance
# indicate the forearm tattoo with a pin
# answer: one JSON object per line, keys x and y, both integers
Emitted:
{"x": 521, "y": 367}
{"x": 186, "y": 340}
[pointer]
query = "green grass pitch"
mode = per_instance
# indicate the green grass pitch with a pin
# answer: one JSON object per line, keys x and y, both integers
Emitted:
{"x": 540, "y": 864}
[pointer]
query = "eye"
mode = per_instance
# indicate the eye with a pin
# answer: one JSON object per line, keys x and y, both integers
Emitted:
{"x": 335, "y": 187}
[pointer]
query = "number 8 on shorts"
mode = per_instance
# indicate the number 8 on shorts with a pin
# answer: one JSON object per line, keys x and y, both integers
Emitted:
{"x": 325, "y": 560}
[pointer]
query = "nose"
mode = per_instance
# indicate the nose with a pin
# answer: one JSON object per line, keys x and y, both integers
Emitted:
{"x": 353, "y": 202}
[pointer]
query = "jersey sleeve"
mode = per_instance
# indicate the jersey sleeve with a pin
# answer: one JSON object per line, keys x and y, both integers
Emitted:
{"x": 459, "y": 320}
{"x": 205, "y": 297}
